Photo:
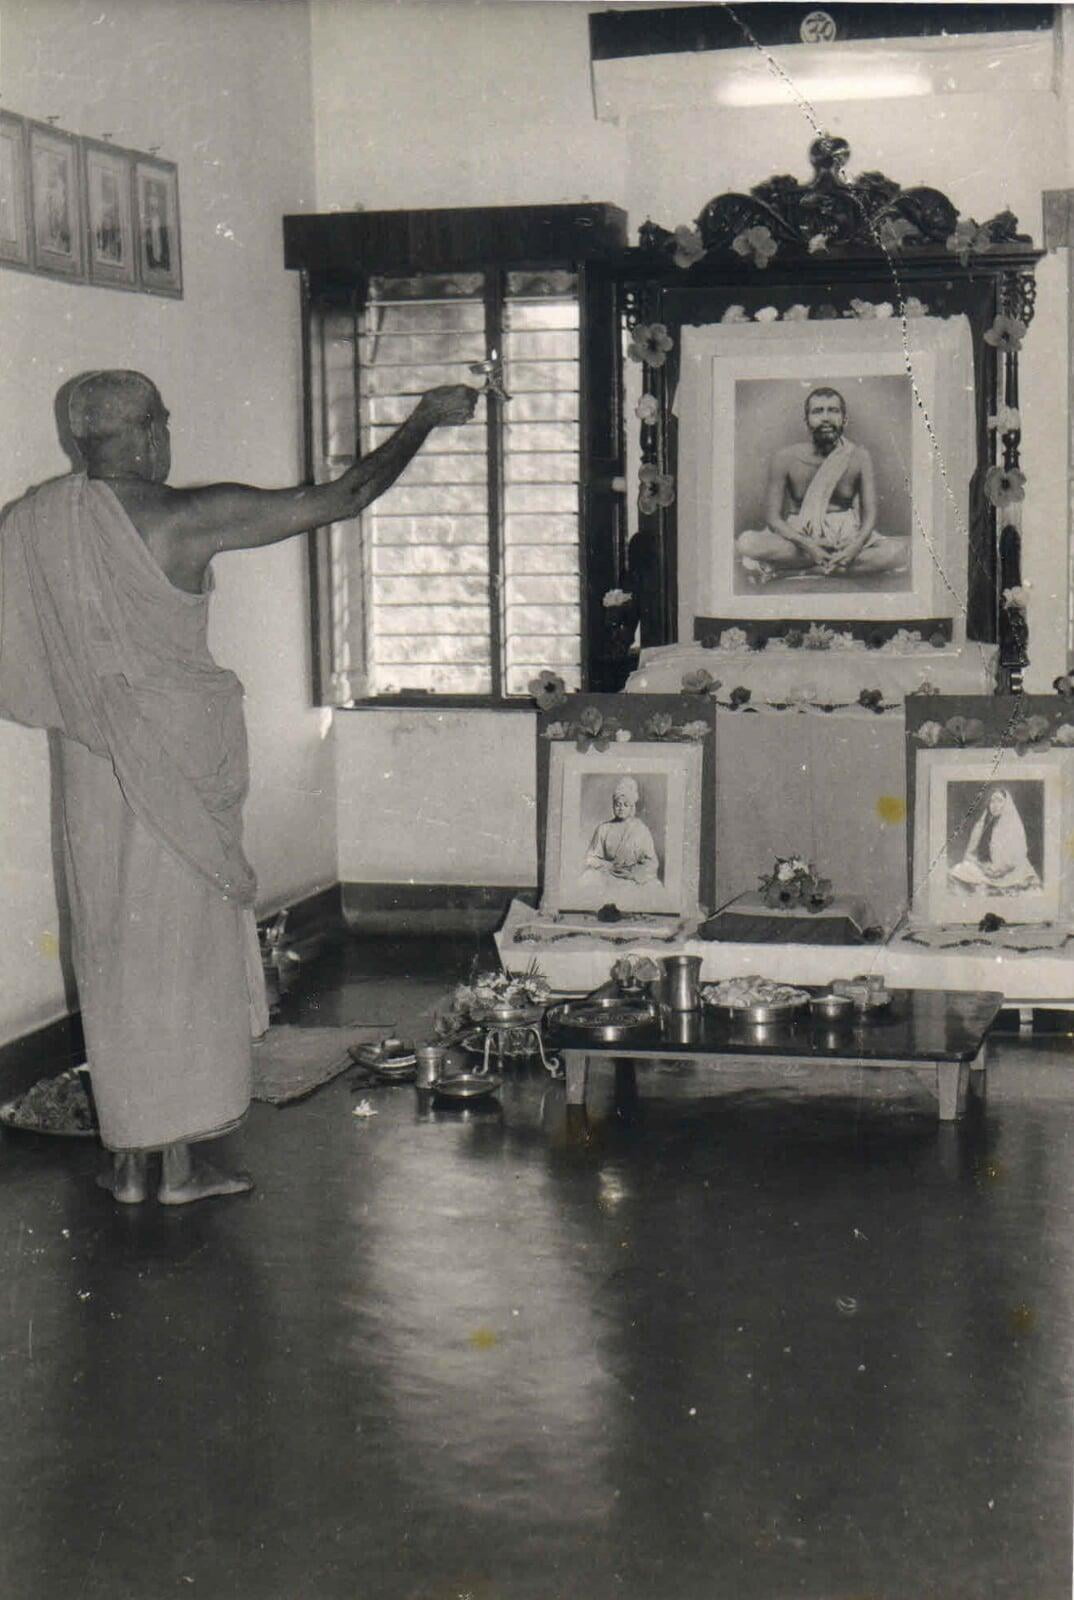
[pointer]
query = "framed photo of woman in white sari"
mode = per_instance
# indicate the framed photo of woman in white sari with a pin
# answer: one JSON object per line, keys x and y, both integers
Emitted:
{"x": 991, "y": 792}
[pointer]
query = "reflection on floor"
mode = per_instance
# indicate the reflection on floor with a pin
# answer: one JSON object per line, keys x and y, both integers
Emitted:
{"x": 750, "y": 1342}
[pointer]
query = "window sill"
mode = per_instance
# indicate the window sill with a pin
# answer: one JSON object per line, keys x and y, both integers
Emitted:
{"x": 440, "y": 702}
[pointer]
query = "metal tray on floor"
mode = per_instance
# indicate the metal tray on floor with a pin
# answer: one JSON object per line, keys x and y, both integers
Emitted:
{"x": 463, "y": 1086}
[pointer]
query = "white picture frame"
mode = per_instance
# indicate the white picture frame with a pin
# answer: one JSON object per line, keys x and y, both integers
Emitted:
{"x": 668, "y": 779}
{"x": 957, "y": 882}
{"x": 920, "y": 372}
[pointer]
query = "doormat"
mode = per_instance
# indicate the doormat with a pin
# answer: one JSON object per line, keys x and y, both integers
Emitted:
{"x": 291, "y": 1063}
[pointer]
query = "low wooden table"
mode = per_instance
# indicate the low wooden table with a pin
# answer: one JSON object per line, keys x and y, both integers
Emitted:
{"x": 930, "y": 1031}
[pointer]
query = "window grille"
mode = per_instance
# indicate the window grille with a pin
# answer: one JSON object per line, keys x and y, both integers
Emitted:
{"x": 463, "y": 579}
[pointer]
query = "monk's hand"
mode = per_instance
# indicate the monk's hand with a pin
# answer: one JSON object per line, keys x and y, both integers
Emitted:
{"x": 448, "y": 406}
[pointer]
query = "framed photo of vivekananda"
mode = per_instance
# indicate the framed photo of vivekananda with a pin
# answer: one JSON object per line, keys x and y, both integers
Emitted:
{"x": 825, "y": 469}
{"x": 625, "y": 810}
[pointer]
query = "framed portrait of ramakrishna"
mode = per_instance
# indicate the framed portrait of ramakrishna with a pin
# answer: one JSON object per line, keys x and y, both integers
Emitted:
{"x": 877, "y": 531}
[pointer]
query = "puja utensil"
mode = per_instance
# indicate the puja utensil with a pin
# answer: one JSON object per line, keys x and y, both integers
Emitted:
{"x": 832, "y": 1007}
{"x": 606, "y": 1016}
{"x": 466, "y": 1086}
{"x": 681, "y": 984}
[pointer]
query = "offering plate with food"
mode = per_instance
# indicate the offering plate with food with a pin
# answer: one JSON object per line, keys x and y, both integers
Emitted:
{"x": 391, "y": 1060}
{"x": 755, "y": 999}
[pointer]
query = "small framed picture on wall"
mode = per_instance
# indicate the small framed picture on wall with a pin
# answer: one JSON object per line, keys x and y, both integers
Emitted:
{"x": 55, "y": 206}
{"x": 14, "y": 210}
{"x": 109, "y": 223}
{"x": 156, "y": 220}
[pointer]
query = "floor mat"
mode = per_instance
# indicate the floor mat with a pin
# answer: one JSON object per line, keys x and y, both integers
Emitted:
{"x": 291, "y": 1063}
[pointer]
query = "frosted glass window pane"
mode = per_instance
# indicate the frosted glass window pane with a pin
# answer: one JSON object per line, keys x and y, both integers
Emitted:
{"x": 552, "y": 497}
{"x": 399, "y": 560}
{"x": 543, "y": 314}
{"x": 438, "y": 680}
{"x": 430, "y": 590}
{"x": 541, "y": 467}
{"x": 546, "y": 589}
{"x": 524, "y": 376}
{"x": 538, "y": 407}
{"x": 470, "y": 439}
{"x": 468, "y": 648}
{"x": 543, "y": 345}
{"x": 542, "y": 649}
{"x": 414, "y": 380}
{"x": 541, "y": 619}
{"x": 422, "y": 620}
{"x": 455, "y": 468}
{"x": 542, "y": 436}
{"x": 431, "y": 530}
{"x": 527, "y": 559}
{"x": 437, "y": 499}
{"x": 539, "y": 528}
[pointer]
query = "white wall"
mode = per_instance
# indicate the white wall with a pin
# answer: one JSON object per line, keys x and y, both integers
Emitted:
{"x": 223, "y": 88}
{"x": 471, "y": 103}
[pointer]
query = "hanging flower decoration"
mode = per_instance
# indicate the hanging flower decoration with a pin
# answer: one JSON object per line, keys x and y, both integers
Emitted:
{"x": 616, "y": 597}
{"x": 594, "y": 729}
{"x": 659, "y": 725}
{"x": 623, "y": 736}
{"x": 766, "y": 314}
{"x": 930, "y": 734}
{"x": 739, "y": 698}
{"x": 647, "y": 410}
{"x": 1064, "y": 735}
{"x": 1029, "y": 733}
{"x": 757, "y": 243}
{"x": 863, "y": 309}
{"x": 818, "y": 243}
{"x": 650, "y": 344}
{"x": 818, "y": 638}
{"x": 689, "y": 247}
{"x": 1004, "y": 486}
{"x": 735, "y": 314}
{"x": 967, "y": 238}
{"x": 894, "y": 232}
{"x": 965, "y": 730}
{"x": 655, "y": 489}
{"x": 796, "y": 313}
{"x": 1016, "y": 599}
{"x": 699, "y": 682}
{"x": 871, "y": 699}
{"x": 548, "y": 689}
{"x": 913, "y": 307}
{"x": 1006, "y": 334}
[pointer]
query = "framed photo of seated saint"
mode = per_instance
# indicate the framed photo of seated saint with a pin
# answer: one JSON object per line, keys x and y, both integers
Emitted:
{"x": 825, "y": 468}
{"x": 626, "y": 787}
{"x": 991, "y": 804}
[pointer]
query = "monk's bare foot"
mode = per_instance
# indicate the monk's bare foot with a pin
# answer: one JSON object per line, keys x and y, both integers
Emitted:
{"x": 125, "y": 1179}
{"x": 202, "y": 1182}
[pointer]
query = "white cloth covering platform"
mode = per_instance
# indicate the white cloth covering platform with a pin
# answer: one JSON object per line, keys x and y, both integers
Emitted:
{"x": 582, "y": 962}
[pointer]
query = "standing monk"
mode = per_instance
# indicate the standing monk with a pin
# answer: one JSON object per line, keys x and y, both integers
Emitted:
{"x": 104, "y": 594}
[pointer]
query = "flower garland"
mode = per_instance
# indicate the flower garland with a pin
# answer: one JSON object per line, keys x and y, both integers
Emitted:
{"x": 1023, "y": 734}
{"x": 819, "y": 636}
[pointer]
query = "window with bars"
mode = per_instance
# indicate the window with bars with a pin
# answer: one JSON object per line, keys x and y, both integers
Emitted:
{"x": 464, "y": 578}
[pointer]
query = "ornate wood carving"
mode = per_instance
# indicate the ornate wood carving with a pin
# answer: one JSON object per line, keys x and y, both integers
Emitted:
{"x": 833, "y": 214}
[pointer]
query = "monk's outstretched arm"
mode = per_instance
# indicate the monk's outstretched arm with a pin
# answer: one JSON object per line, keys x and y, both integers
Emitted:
{"x": 234, "y": 516}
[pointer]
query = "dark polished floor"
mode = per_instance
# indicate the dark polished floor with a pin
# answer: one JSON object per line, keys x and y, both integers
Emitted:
{"x": 751, "y": 1342}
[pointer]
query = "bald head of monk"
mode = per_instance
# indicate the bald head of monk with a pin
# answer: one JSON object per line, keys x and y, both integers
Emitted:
{"x": 121, "y": 425}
